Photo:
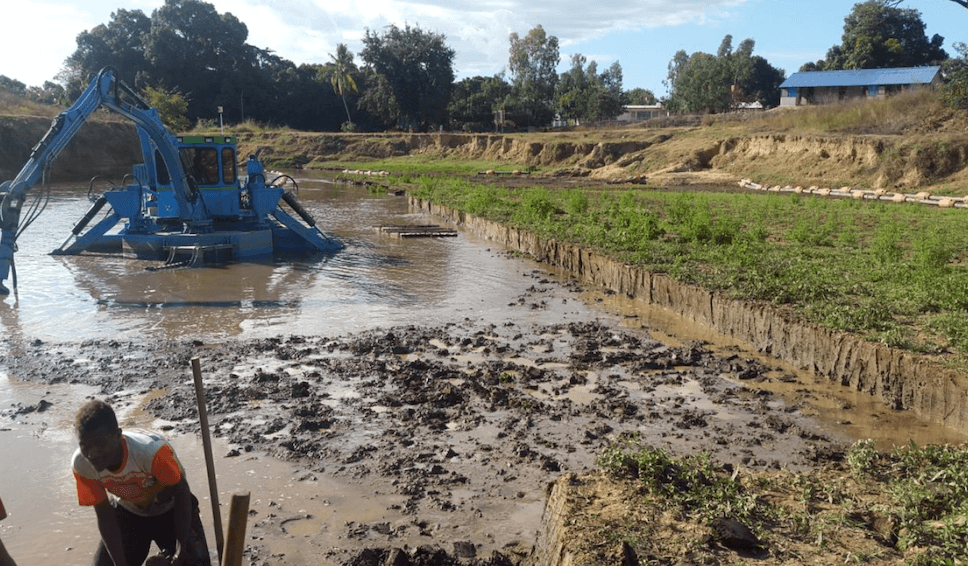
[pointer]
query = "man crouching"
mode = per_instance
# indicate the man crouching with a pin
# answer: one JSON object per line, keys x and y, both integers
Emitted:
{"x": 138, "y": 489}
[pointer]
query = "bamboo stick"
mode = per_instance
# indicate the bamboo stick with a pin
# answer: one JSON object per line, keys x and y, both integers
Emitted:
{"x": 235, "y": 541}
{"x": 207, "y": 444}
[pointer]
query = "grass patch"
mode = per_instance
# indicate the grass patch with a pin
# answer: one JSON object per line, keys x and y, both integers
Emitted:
{"x": 907, "y": 506}
{"x": 892, "y": 273}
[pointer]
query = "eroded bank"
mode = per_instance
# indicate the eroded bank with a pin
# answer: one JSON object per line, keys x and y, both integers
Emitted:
{"x": 902, "y": 380}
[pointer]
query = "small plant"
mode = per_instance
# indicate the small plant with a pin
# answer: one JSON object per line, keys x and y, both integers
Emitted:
{"x": 861, "y": 457}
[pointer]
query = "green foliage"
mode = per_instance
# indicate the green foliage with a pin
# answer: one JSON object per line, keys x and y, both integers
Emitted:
{"x": 702, "y": 83}
{"x": 640, "y": 96}
{"x": 533, "y": 62}
{"x": 892, "y": 273}
{"x": 861, "y": 458}
{"x": 886, "y": 245}
{"x": 537, "y": 206}
{"x": 919, "y": 495}
{"x": 474, "y": 101}
{"x": 341, "y": 73}
{"x": 697, "y": 486}
{"x": 585, "y": 95}
{"x": 878, "y": 34}
{"x": 954, "y": 91}
{"x": 172, "y": 107}
{"x": 415, "y": 69}
{"x": 576, "y": 202}
{"x": 929, "y": 486}
{"x": 187, "y": 46}
{"x": 691, "y": 218}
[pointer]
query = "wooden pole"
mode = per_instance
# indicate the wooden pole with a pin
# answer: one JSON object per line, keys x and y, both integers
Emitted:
{"x": 235, "y": 541}
{"x": 207, "y": 444}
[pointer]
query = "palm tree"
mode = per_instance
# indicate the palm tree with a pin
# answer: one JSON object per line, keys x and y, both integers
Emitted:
{"x": 341, "y": 73}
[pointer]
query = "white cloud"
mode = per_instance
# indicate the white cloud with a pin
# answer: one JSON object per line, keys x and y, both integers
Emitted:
{"x": 304, "y": 31}
{"x": 37, "y": 37}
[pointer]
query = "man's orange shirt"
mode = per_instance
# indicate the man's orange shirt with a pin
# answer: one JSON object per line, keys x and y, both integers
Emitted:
{"x": 148, "y": 466}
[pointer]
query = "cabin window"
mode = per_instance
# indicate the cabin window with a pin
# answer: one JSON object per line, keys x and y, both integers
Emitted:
{"x": 161, "y": 170}
{"x": 228, "y": 166}
{"x": 204, "y": 162}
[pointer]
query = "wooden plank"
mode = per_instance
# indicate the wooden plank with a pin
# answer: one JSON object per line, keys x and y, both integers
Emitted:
{"x": 418, "y": 231}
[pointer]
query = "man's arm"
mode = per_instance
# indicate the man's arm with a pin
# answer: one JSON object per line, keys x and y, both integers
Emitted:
{"x": 5, "y": 558}
{"x": 107, "y": 524}
{"x": 182, "y": 497}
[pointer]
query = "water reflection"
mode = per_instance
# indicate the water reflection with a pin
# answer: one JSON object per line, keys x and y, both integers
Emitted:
{"x": 377, "y": 280}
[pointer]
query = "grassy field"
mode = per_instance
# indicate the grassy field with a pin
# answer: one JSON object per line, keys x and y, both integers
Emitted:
{"x": 894, "y": 273}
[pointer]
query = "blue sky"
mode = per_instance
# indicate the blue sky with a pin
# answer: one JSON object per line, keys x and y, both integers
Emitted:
{"x": 642, "y": 35}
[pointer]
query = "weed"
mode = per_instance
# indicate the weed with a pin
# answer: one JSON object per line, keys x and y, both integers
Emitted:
{"x": 861, "y": 457}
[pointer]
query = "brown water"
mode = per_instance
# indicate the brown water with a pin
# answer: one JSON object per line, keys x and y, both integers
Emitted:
{"x": 377, "y": 281}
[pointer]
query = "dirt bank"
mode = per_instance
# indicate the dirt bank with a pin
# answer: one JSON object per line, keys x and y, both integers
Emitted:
{"x": 671, "y": 156}
{"x": 902, "y": 380}
{"x": 667, "y": 156}
{"x": 99, "y": 148}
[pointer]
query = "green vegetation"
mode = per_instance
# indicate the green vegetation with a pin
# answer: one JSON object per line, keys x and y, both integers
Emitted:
{"x": 909, "y": 504}
{"x": 892, "y": 273}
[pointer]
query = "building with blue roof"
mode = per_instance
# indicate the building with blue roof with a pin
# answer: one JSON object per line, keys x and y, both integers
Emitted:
{"x": 824, "y": 87}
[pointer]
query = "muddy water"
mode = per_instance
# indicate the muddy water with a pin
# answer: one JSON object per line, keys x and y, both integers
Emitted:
{"x": 855, "y": 414}
{"x": 376, "y": 282}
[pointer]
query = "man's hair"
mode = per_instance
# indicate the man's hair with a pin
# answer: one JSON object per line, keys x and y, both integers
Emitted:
{"x": 93, "y": 415}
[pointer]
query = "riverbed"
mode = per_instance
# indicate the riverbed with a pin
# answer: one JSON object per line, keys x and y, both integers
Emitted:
{"x": 400, "y": 393}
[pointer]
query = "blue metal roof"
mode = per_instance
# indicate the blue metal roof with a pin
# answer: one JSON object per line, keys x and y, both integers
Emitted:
{"x": 862, "y": 77}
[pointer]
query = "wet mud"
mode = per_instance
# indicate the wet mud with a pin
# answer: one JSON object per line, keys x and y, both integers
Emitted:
{"x": 454, "y": 431}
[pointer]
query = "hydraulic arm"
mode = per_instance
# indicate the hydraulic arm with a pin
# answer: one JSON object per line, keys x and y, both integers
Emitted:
{"x": 107, "y": 91}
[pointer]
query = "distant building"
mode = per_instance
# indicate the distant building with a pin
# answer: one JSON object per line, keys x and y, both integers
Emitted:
{"x": 640, "y": 112}
{"x": 824, "y": 87}
{"x": 754, "y": 106}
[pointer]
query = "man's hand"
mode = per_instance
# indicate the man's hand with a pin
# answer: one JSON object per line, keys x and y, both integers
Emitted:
{"x": 180, "y": 558}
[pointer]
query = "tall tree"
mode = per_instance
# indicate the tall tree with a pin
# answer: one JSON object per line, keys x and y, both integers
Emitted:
{"x": 954, "y": 91}
{"x": 877, "y": 34}
{"x": 586, "y": 95}
{"x": 341, "y": 72}
{"x": 963, "y": 3}
{"x": 119, "y": 44}
{"x": 704, "y": 83}
{"x": 192, "y": 47}
{"x": 533, "y": 63}
{"x": 414, "y": 75}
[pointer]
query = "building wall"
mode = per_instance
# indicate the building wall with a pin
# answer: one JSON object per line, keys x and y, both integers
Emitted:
{"x": 805, "y": 96}
{"x": 638, "y": 113}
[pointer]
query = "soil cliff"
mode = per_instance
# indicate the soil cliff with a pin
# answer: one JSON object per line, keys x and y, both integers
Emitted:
{"x": 99, "y": 148}
{"x": 719, "y": 151}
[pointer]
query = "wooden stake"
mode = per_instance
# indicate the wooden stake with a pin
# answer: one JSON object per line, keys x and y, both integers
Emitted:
{"x": 207, "y": 444}
{"x": 235, "y": 541}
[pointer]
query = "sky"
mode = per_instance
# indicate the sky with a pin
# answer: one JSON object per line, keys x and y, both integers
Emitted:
{"x": 642, "y": 35}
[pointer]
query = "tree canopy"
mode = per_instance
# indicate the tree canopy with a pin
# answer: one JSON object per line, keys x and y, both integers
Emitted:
{"x": 187, "y": 48}
{"x": 533, "y": 63}
{"x": 584, "y": 94}
{"x": 878, "y": 34}
{"x": 705, "y": 83}
{"x": 414, "y": 75}
{"x": 474, "y": 101}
